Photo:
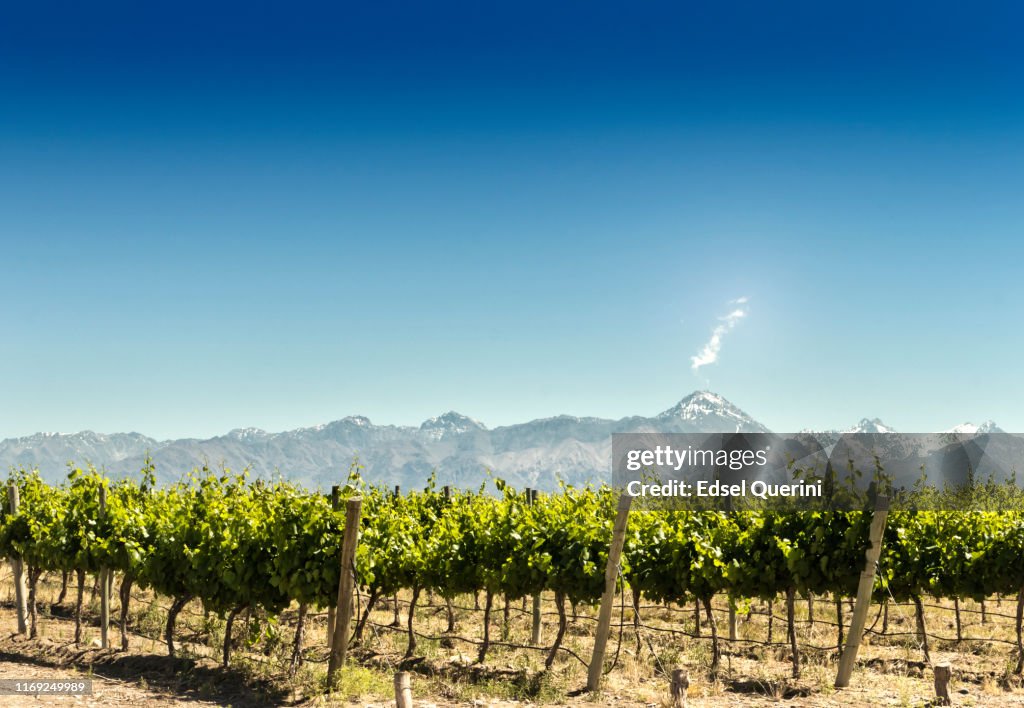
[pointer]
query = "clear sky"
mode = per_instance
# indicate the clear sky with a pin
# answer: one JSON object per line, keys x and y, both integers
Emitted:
{"x": 216, "y": 216}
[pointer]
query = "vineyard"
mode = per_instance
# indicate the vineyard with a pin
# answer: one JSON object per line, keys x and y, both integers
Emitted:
{"x": 271, "y": 550}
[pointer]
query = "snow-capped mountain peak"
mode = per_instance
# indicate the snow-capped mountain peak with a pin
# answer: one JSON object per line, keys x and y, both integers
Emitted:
{"x": 450, "y": 423}
{"x": 971, "y": 429}
{"x": 870, "y": 425}
{"x": 461, "y": 450}
{"x": 707, "y": 410}
{"x": 247, "y": 433}
{"x": 701, "y": 404}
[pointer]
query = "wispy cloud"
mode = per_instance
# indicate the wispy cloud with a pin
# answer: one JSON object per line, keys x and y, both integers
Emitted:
{"x": 709, "y": 354}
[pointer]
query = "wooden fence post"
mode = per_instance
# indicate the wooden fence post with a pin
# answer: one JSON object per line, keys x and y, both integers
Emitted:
{"x": 397, "y": 621}
{"x": 680, "y": 682}
{"x": 611, "y": 573}
{"x": 531, "y": 497}
{"x": 867, "y": 581}
{"x": 104, "y": 583}
{"x": 343, "y": 625}
{"x": 18, "y": 569}
{"x": 333, "y": 611}
{"x": 943, "y": 672}
{"x": 403, "y": 690}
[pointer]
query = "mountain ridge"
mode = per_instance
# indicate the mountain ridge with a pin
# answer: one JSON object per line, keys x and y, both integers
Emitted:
{"x": 460, "y": 449}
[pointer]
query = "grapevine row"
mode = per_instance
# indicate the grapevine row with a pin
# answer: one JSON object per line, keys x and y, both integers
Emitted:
{"x": 233, "y": 544}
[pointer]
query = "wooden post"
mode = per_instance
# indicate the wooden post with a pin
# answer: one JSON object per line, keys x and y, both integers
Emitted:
{"x": 732, "y": 609}
{"x": 343, "y": 625}
{"x": 943, "y": 672}
{"x": 867, "y": 581}
{"x": 531, "y": 497}
{"x": 104, "y": 584}
{"x": 403, "y": 690}
{"x": 446, "y": 492}
{"x": 608, "y": 599}
{"x": 18, "y": 569}
{"x": 397, "y": 621}
{"x": 332, "y": 611}
{"x": 680, "y": 682}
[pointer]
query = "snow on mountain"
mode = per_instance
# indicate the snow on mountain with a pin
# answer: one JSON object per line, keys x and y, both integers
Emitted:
{"x": 51, "y": 452}
{"x": 971, "y": 429}
{"x": 709, "y": 412}
{"x": 873, "y": 425}
{"x": 247, "y": 434}
{"x": 451, "y": 423}
{"x": 461, "y": 450}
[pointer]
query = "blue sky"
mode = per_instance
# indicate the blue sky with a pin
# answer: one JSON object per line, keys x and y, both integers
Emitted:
{"x": 281, "y": 215}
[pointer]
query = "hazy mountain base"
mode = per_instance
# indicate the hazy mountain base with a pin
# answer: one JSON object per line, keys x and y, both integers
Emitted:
{"x": 461, "y": 450}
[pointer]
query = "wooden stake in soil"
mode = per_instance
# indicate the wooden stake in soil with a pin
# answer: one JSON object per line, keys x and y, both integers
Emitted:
{"x": 791, "y": 630}
{"x": 403, "y": 690}
{"x": 942, "y": 675}
{"x": 611, "y": 573}
{"x": 680, "y": 682}
{"x": 339, "y": 643}
{"x": 397, "y": 621}
{"x": 839, "y": 624}
{"x": 332, "y": 611}
{"x": 867, "y": 581}
{"x": 531, "y": 497}
{"x": 104, "y": 585}
{"x": 18, "y": 568}
{"x": 1020, "y": 638}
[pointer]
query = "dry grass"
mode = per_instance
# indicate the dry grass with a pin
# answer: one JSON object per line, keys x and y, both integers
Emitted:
{"x": 445, "y": 672}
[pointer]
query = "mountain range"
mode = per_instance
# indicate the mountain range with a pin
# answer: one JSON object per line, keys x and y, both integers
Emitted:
{"x": 461, "y": 450}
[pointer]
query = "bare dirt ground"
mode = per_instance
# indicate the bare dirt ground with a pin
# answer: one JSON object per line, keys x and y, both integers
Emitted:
{"x": 753, "y": 674}
{"x": 105, "y": 691}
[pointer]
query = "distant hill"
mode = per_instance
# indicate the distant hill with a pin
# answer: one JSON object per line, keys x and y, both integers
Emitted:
{"x": 460, "y": 449}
